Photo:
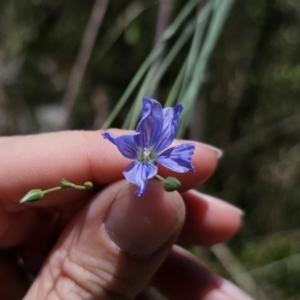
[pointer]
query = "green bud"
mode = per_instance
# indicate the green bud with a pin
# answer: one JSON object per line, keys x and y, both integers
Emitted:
{"x": 33, "y": 196}
{"x": 66, "y": 184}
{"x": 171, "y": 184}
{"x": 88, "y": 185}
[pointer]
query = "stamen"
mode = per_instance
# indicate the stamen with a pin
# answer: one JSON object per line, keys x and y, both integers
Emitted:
{"x": 146, "y": 155}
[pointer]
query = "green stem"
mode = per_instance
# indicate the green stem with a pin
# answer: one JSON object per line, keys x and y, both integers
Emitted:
{"x": 57, "y": 188}
{"x": 78, "y": 187}
{"x": 160, "y": 178}
{"x": 69, "y": 185}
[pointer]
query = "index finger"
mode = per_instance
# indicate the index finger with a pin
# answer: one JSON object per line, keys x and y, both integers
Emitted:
{"x": 40, "y": 161}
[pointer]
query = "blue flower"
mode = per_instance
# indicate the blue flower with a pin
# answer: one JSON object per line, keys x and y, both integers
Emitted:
{"x": 154, "y": 133}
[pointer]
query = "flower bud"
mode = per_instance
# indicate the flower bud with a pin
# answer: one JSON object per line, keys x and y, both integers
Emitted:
{"x": 88, "y": 185}
{"x": 171, "y": 184}
{"x": 33, "y": 196}
{"x": 66, "y": 184}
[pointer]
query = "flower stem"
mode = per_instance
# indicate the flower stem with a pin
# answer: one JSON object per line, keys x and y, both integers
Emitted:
{"x": 57, "y": 188}
{"x": 86, "y": 186}
{"x": 160, "y": 178}
{"x": 37, "y": 194}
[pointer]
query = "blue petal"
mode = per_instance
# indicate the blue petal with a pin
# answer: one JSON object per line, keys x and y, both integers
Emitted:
{"x": 178, "y": 158}
{"x": 170, "y": 124}
{"x": 151, "y": 123}
{"x": 125, "y": 143}
{"x": 138, "y": 173}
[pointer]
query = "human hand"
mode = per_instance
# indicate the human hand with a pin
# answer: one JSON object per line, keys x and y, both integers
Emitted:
{"x": 111, "y": 244}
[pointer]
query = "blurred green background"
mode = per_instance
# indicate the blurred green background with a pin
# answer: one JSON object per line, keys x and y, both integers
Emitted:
{"x": 235, "y": 65}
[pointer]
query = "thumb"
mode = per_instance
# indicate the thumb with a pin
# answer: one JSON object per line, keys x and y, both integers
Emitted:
{"x": 113, "y": 246}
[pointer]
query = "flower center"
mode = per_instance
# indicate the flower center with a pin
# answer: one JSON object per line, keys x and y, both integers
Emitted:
{"x": 146, "y": 155}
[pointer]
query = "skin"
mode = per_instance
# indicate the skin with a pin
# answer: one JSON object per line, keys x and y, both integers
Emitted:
{"x": 81, "y": 234}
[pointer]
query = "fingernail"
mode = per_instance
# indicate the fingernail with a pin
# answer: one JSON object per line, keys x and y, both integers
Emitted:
{"x": 218, "y": 151}
{"x": 233, "y": 291}
{"x": 221, "y": 204}
{"x": 219, "y": 295}
{"x": 227, "y": 291}
{"x": 142, "y": 225}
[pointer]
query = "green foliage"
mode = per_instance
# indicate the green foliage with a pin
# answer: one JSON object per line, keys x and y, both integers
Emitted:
{"x": 286, "y": 78}
{"x": 274, "y": 261}
{"x": 132, "y": 34}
